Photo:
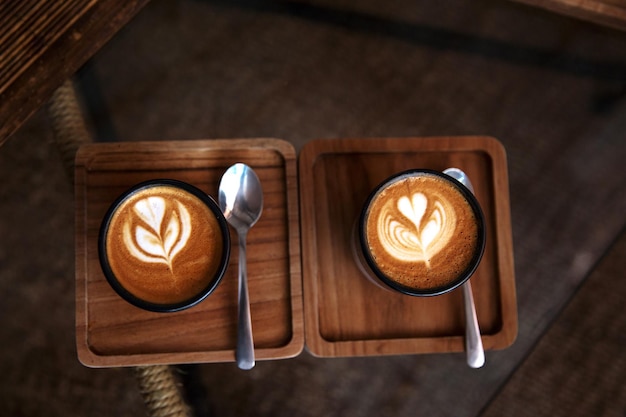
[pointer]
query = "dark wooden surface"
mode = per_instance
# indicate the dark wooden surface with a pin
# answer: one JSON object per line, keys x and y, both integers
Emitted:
{"x": 43, "y": 42}
{"x": 579, "y": 367}
{"x": 610, "y": 13}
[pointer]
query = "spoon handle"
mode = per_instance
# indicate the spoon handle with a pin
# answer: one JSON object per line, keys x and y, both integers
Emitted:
{"x": 473, "y": 341}
{"x": 245, "y": 345}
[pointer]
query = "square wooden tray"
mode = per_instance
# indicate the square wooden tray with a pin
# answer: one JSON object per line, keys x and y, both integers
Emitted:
{"x": 111, "y": 332}
{"x": 345, "y": 314}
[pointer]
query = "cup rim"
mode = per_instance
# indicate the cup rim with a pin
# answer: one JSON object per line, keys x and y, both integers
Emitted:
{"x": 167, "y": 307}
{"x": 475, "y": 261}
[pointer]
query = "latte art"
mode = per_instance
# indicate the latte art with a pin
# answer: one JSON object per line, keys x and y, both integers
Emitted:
{"x": 163, "y": 232}
{"x": 414, "y": 228}
{"x": 165, "y": 244}
{"x": 421, "y": 232}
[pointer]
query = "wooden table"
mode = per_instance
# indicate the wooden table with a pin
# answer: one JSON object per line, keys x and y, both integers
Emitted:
{"x": 43, "y": 42}
{"x": 611, "y": 13}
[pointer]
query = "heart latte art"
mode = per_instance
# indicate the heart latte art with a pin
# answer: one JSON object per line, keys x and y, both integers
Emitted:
{"x": 164, "y": 245}
{"x": 412, "y": 228}
{"x": 421, "y": 231}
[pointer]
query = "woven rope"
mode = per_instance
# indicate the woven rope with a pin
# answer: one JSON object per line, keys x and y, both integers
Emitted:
{"x": 157, "y": 384}
{"x": 68, "y": 124}
{"x": 160, "y": 391}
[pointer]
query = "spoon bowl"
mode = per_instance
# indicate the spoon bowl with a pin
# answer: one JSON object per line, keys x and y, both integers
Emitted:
{"x": 241, "y": 201}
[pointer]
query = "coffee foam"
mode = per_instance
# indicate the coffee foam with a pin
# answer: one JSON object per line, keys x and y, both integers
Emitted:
{"x": 152, "y": 241}
{"x": 164, "y": 245}
{"x": 421, "y": 231}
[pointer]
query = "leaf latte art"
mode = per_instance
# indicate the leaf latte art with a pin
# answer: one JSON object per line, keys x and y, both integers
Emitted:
{"x": 413, "y": 228}
{"x": 163, "y": 231}
{"x": 163, "y": 244}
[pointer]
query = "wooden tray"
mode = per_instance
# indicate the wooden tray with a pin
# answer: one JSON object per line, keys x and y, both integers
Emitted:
{"x": 345, "y": 314}
{"x": 111, "y": 332}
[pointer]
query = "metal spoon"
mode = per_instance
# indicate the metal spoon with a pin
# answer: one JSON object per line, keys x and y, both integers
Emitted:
{"x": 241, "y": 200}
{"x": 473, "y": 342}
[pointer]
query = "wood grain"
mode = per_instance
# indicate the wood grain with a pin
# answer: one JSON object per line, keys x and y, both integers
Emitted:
{"x": 345, "y": 314}
{"x": 111, "y": 332}
{"x": 611, "y": 13}
{"x": 44, "y": 42}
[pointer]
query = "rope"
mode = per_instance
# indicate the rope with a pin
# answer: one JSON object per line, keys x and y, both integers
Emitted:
{"x": 68, "y": 125}
{"x": 157, "y": 384}
{"x": 161, "y": 392}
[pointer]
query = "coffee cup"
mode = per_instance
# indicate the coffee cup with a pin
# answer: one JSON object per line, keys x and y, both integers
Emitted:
{"x": 420, "y": 232}
{"x": 164, "y": 245}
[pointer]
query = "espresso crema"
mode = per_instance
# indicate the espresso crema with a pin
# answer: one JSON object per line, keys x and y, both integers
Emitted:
{"x": 421, "y": 231}
{"x": 164, "y": 245}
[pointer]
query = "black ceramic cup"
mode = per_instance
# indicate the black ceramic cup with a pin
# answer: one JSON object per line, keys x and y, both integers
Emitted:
{"x": 164, "y": 245}
{"x": 420, "y": 232}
